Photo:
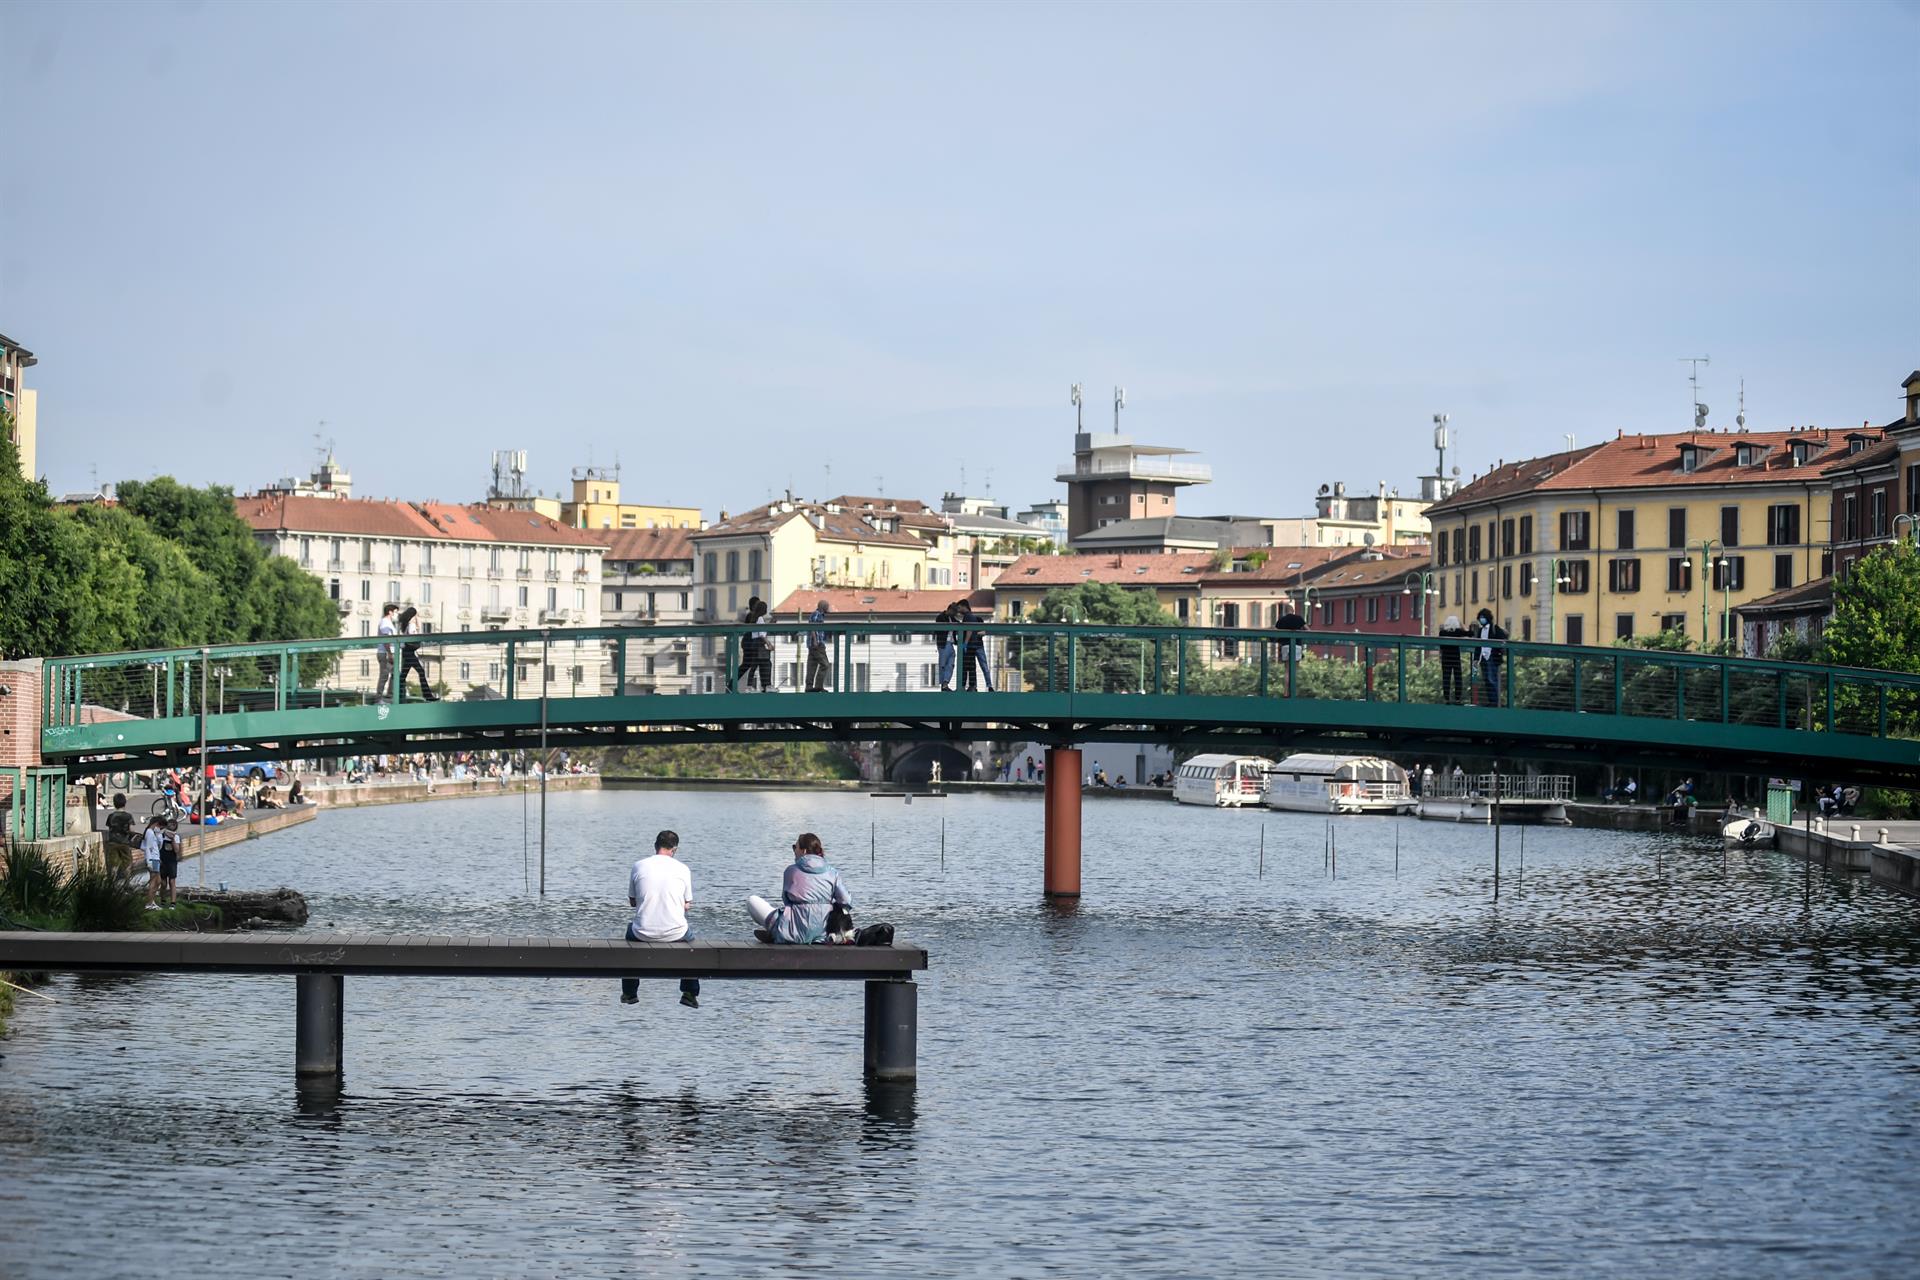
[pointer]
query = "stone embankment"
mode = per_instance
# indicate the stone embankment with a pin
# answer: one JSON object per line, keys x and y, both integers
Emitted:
{"x": 348, "y": 795}
{"x": 618, "y": 782}
{"x": 251, "y": 909}
{"x": 259, "y": 822}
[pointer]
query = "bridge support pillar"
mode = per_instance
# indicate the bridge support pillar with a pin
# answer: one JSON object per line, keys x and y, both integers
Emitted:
{"x": 319, "y": 1023}
{"x": 1063, "y": 822}
{"x": 893, "y": 1030}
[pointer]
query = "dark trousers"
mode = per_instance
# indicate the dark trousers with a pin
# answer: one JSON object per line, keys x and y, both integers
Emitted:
{"x": 1490, "y": 673}
{"x": 630, "y": 987}
{"x": 976, "y": 667}
{"x": 1453, "y": 687}
{"x": 410, "y": 662}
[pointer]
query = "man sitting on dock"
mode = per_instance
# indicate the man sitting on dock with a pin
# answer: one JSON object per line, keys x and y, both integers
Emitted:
{"x": 660, "y": 890}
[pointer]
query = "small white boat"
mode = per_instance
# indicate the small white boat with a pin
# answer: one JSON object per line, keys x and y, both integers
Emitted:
{"x": 1220, "y": 781}
{"x": 1338, "y": 784}
{"x": 1748, "y": 833}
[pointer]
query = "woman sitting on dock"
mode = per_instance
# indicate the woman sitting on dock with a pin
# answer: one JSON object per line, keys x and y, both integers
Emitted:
{"x": 808, "y": 892}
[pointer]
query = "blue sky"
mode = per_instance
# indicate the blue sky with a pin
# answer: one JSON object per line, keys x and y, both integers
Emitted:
{"x": 737, "y": 244}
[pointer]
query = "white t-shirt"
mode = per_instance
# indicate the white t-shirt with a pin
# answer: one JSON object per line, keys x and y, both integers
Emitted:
{"x": 661, "y": 886}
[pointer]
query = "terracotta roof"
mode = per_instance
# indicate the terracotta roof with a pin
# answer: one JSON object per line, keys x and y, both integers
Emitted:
{"x": 854, "y": 501}
{"x": 1878, "y": 455}
{"x": 1653, "y": 461}
{"x": 829, "y": 526}
{"x": 1168, "y": 569}
{"x": 1363, "y": 572}
{"x": 645, "y": 544}
{"x": 850, "y": 604}
{"x": 1813, "y": 593}
{"x": 492, "y": 524}
{"x": 1294, "y": 564}
{"x": 353, "y": 517}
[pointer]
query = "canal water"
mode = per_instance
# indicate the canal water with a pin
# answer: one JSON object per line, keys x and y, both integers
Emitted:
{"x": 1649, "y": 1057}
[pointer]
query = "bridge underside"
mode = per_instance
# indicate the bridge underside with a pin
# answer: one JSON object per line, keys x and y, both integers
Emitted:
{"x": 1265, "y": 726}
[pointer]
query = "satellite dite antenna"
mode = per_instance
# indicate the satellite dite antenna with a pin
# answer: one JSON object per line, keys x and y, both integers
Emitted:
{"x": 1078, "y": 425}
{"x": 1740, "y": 419}
{"x": 1119, "y": 403}
{"x": 1693, "y": 377}
{"x": 1442, "y": 437}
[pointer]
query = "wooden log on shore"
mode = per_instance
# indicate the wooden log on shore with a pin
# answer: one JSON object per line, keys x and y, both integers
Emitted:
{"x": 237, "y": 906}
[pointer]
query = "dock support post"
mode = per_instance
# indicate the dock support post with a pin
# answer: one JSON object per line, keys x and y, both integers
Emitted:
{"x": 319, "y": 1023}
{"x": 893, "y": 1030}
{"x": 1063, "y": 822}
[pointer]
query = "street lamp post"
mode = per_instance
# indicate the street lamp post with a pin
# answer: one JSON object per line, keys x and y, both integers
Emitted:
{"x": 1424, "y": 578}
{"x": 1707, "y": 546}
{"x": 1557, "y": 577}
{"x": 1725, "y": 565}
{"x": 1910, "y": 518}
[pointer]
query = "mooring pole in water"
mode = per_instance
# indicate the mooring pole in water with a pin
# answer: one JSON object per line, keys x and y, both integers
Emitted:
{"x": 1062, "y": 837}
{"x": 873, "y": 845}
{"x": 1806, "y": 890}
{"x": 526, "y": 862}
{"x": 546, "y": 668}
{"x": 943, "y": 839}
{"x": 206, "y": 782}
{"x": 1333, "y": 852}
{"x": 1496, "y": 831}
{"x": 1263, "y": 851}
{"x": 1396, "y": 851}
{"x": 1326, "y": 850}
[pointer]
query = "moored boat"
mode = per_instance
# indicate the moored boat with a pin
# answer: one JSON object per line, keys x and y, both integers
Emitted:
{"x": 1309, "y": 783}
{"x": 1220, "y": 781}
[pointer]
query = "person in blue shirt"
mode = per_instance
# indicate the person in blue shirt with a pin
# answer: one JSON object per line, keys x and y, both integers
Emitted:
{"x": 819, "y": 663}
{"x": 808, "y": 892}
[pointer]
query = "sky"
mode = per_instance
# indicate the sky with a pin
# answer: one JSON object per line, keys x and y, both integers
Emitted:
{"x": 867, "y": 248}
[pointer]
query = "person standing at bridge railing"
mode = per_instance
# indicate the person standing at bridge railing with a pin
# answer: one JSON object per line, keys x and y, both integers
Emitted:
{"x": 819, "y": 661}
{"x": 1453, "y": 686}
{"x": 944, "y": 648}
{"x": 974, "y": 649}
{"x": 1490, "y": 655}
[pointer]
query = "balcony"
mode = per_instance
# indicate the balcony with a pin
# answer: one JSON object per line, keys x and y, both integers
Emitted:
{"x": 1148, "y": 467}
{"x": 365, "y": 566}
{"x": 495, "y": 613}
{"x": 464, "y": 571}
{"x": 580, "y": 575}
{"x": 496, "y": 573}
{"x": 553, "y": 575}
{"x": 335, "y": 566}
{"x": 345, "y": 607}
{"x": 556, "y": 615}
{"x": 525, "y": 575}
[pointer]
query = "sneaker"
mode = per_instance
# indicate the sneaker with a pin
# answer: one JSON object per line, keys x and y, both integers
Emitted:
{"x": 690, "y": 1000}
{"x": 761, "y": 935}
{"x": 629, "y": 999}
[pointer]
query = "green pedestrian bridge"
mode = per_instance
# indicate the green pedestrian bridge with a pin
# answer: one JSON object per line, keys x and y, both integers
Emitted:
{"x": 1259, "y": 692}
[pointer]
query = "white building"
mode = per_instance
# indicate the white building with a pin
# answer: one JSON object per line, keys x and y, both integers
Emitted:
{"x": 465, "y": 569}
{"x": 646, "y": 583}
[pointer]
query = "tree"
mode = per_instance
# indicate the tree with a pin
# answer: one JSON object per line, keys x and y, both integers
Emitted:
{"x": 1103, "y": 663}
{"x": 59, "y": 593}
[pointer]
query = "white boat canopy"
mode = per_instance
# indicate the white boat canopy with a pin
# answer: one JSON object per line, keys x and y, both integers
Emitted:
{"x": 1213, "y": 764}
{"x": 1343, "y": 768}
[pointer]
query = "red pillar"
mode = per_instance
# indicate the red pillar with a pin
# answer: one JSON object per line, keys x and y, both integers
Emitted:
{"x": 1063, "y": 822}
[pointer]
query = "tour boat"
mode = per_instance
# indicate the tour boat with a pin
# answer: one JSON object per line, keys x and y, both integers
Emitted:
{"x": 1220, "y": 781}
{"x": 1338, "y": 784}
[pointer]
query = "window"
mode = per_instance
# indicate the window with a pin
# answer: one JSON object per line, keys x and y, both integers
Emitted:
{"x": 1850, "y": 517}
{"x": 1623, "y": 626}
{"x": 733, "y": 566}
{"x": 466, "y": 594}
{"x": 1473, "y": 544}
{"x": 1526, "y": 534}
{"x": 333, "y": 588}
{"x": 1506, "y": 537}
{"x": 1623, "y": 576}
{"x": 553, "y": 599}
{"x": 1679, "y": 573}
{"x": 366, "y": 628}
{"x": 1676, "y": 526}
{"x": 580, "y": 598}
{"x": 1579, "y": 577}
{"x": 426, "y": 559}
{"x": 710, "y": 563}
{"x": 1349, "y": 610}
{"x": 366, "y": 588}
{"x": 493, "y": 598}
{"x": 1730, "y": 573}
{"x": 1460, "y": 546}
{"x": 1473, "y": 585}
{"x": 1393, "y": 608}
{"x": 1526, "y": 628}
{"x": 1506, "y": 582}
{"x": 493, "y": 559}
{"x": 393, "y": 592}
{"x": 523, "y": 597}
{"x": 1913, "y": 489}
{"x": 553, "y": 562}
{"x": 1878, "y": 527}
{"x": 526, "y": 560}
{"x": 1801, "y": 451}
{"x": 1440, "y": 543}
{"x": 1624, "y": 537}
{"x": 1743, "y": 455}
{"x": 426, "y": 593}
{"x": 753, "y": 564}
{"x": 1783, "y": 525}
{"x": 1576, "y": 629}
{"x": 1826, "y": 563}
{"x": 466, "y": 671}
{"x": 1674, "y": 622}
{"x": 1180, "y": 610}
{"x": 1373, "y": 608}
{"x": 1729, "y": 526}
{"x": 1689, "y": 457}
{"x": 1782, "y": 572}
{"x": 1526, "y": 577}
{"x": 1574, "y": 532}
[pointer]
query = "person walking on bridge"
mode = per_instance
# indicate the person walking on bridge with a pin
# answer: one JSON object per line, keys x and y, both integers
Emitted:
{"x": 408, "y": 623}
{"x": 660, "y": 889}
{"x": 819, "y": 664}
{"x": 384, "y": 653}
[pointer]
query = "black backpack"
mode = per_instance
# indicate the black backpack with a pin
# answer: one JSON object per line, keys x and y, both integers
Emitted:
{"x": 874, "y": 935}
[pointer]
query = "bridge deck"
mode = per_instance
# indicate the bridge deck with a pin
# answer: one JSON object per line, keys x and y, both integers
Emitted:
{"x": 428, "y": 955}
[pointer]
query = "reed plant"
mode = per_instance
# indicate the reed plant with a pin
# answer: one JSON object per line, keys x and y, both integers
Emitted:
{"x": 33, "y": 889}
{"x": 105, "y": 899}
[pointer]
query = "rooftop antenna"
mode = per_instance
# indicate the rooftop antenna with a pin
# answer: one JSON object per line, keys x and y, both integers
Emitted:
{"x": 829, "y": 470}
{"x": 1442, "y": 437}
{"x": 989, "y": 482}
{"x": 963, "y": 477}
{"x": 322, "y": 444}
{"x": 1078, "y": 425}
{"x": 1693, "y": 377}
{"x": 880, "y": 485}
{"x": 1119, "y": 403}
{"x": 1740, "y": 419}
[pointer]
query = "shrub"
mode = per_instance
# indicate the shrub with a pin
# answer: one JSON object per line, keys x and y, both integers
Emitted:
{"x": 34, "y": 886}
{"x": 106, "y": 900}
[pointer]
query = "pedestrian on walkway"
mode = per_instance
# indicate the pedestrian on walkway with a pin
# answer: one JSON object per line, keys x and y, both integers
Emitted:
{"x": 944, "y": 647}
{"x": 974, "y": 656}
{"x": 1453, "y": 686}
{"x": 384, "y": 653}
{"x": 819, "y": 662}
{"x": 409, "y": 624}
{"x": 1491, "y": 655}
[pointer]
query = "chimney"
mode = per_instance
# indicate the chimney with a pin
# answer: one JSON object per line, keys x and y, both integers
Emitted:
{"x": 1912, "y": 387}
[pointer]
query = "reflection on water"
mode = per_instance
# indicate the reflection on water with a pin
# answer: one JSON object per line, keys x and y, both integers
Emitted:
{"x": 1220, "y": 1060}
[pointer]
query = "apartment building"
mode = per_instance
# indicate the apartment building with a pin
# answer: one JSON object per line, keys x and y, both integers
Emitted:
{"x": 596, "y": 504}
{"x": 905, "y": 660}
{"x": 20, "y": 403}
{"x": 646, "y": 582}
{"x": 465, "y": 568}
{"x": 1640, "y": 534}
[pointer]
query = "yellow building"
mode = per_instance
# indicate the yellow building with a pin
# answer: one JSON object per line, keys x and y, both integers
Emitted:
{"x": 20, "y": 404}
{"x": 1639, "y": 535}
{"x": 596, "y": 505}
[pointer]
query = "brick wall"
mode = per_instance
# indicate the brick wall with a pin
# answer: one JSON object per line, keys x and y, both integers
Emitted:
{"x": 20, "y": 713}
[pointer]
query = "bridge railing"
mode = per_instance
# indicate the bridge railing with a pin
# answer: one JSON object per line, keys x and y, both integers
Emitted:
{"x": 850, "y": 656}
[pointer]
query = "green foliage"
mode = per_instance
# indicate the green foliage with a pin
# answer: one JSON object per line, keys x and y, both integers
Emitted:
{"x": 1876, "y": 612}
{"x": 33, "y": 889}
{"x": 170, "y": 567}
{"x": 1111, "y": 664}
{"x": 105, "y": 899}
{"x": 782, "y": 760}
